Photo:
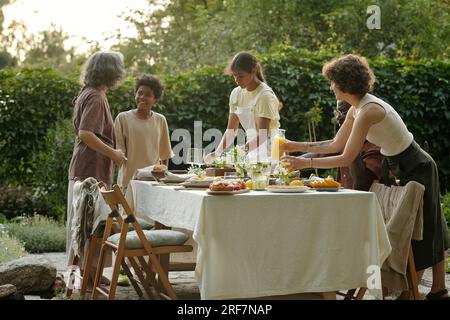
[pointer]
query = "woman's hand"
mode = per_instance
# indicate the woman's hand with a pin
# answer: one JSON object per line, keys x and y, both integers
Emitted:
{"x": 296, "y": 163}
{"x": 118, "y": 157}
{"x": 291, "y": 146}
{"x": 209, "y": 158}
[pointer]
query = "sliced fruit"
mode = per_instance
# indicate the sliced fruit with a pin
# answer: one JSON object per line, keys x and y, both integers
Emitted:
{"x": 296, "y": 183}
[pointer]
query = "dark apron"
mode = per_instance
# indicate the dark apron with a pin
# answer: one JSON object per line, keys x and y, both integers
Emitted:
{"x": 414, "y": 164}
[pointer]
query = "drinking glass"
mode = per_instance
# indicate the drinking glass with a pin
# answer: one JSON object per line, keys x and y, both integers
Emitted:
{"x": 195, "y": 156}
{"x": 230, "y": 175}
{"x": 260, "y": 182}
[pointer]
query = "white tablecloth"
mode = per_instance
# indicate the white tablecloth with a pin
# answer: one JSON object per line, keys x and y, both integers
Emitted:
{"x": 263, "y": 244}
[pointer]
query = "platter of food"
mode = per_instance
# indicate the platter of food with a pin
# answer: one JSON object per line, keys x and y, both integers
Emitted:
{"x": 199, "y": 182}
{"x": 209, "y": 191}
{"x": 222, "y": 186}
{"x": 328, "y": 189}
{"x": 328, "y": 184}
{"x": 151, "y": 173}
{"x": 287, "y": 189}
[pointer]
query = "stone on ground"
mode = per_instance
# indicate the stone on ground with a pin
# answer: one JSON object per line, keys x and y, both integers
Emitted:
{"x": 33, "y": 273}
{"x": 7, "y": 290}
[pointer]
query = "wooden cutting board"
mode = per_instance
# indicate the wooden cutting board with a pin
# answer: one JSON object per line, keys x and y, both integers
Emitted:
{"x": 218, "y": 172}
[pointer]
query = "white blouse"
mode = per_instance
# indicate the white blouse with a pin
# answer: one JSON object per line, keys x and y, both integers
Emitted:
{"x": 391, "y": 133}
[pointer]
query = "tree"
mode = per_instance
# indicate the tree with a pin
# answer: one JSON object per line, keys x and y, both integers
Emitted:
{"x": 2, "y": 4}
{"x": 6, "y": 59}
{"x": 411, "y": 29}
{"x": 180, "y": 35}
{"x": 45, "y": 49}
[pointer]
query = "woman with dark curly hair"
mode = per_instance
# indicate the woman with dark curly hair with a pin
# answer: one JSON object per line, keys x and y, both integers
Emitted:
{"x": 375, "y": 120}
{"x": 143, "y": 134}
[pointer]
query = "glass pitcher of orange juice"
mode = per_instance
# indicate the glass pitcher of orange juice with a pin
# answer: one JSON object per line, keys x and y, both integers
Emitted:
{"x": 278, "y": 139}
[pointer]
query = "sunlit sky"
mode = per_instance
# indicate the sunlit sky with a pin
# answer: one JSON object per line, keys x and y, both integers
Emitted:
{"x": 93, "y": 19}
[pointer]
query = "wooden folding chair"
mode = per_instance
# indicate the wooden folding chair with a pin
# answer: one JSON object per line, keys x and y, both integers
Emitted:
{"x": 412, "y": 280}
{"x": 134, "y": 247}
{"x": 411, "y": 272}
{"x": 95, "y": 242}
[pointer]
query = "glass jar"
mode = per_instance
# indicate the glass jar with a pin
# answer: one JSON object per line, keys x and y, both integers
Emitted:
{"x": 278, "y": 138}
{"x": 260, "y": 182}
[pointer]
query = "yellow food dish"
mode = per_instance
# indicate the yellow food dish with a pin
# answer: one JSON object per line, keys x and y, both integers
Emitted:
{"x": 202, "y": 178}
{"x": 159, "y": 167}
{"x": 296, "y": 183}
{"x": 327, "y": 183}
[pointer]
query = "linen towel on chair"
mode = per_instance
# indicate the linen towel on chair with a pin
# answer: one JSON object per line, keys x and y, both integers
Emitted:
{"x": 89, "y": 210}
{"x": 403, "y": 214}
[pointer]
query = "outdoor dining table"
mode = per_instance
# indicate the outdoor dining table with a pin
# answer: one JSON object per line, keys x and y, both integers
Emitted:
{"x": 260, "y": 244}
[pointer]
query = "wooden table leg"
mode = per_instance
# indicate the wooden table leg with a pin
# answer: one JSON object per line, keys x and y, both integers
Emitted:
{"x": 329, "y": 295}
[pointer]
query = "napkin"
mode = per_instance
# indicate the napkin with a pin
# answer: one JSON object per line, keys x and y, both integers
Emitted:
{"x": 173, "y": 177}
{"x": 145, "y": 172}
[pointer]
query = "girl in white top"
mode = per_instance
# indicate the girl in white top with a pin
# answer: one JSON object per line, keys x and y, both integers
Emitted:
{"x": 375, "y": 120}
{"x": 253, "y": 105}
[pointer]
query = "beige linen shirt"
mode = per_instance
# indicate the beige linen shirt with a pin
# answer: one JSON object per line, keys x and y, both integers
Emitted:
{"x": 144, "y": 142}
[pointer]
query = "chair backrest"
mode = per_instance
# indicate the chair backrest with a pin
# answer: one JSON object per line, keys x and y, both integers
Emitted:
{"x": 402, "y": 208}
{"x": 115, "y": 198}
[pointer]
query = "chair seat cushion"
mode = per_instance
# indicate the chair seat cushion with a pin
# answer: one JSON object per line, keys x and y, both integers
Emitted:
{"x": 157, "y": 238}
{"x": 144, "y": 224}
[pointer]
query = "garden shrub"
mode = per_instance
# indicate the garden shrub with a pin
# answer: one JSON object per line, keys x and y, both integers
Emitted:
{"x": 31, "y": 102}
{"x": 36, "y": 135}
{"x": 23, "y": 201}
{"x": 50, "y": 176}
{"x": 38, "y": 234}
{"x": 10, "y": 248}
{"x": 446, "y": 208}
{"x": 418, "y": 90}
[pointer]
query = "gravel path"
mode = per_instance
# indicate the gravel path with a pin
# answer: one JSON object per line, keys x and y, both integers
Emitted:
{"x": 186, "y": 287}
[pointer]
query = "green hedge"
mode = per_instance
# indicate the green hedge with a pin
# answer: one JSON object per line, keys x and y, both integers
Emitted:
{"x": 36, "y": 145}
{"x": 446, "y": 208}
{"x": 417, "y": 90}
{"x": 31, "y": 102}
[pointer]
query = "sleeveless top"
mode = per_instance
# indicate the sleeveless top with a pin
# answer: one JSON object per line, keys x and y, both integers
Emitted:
{"x": 391, "y": 133}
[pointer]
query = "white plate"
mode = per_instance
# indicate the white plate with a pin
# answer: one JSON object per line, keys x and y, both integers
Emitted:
{"x": 227, "y": 192}
{"x": 287, "y": 189}
{"x": 329, "y": 189}
{"x": 197, "y": 184}
{"x": 201, "y": 182}
{"x": 171, "y": 180}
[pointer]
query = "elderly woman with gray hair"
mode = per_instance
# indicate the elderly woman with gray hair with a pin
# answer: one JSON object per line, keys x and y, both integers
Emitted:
{"x": 94, "y": 153}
